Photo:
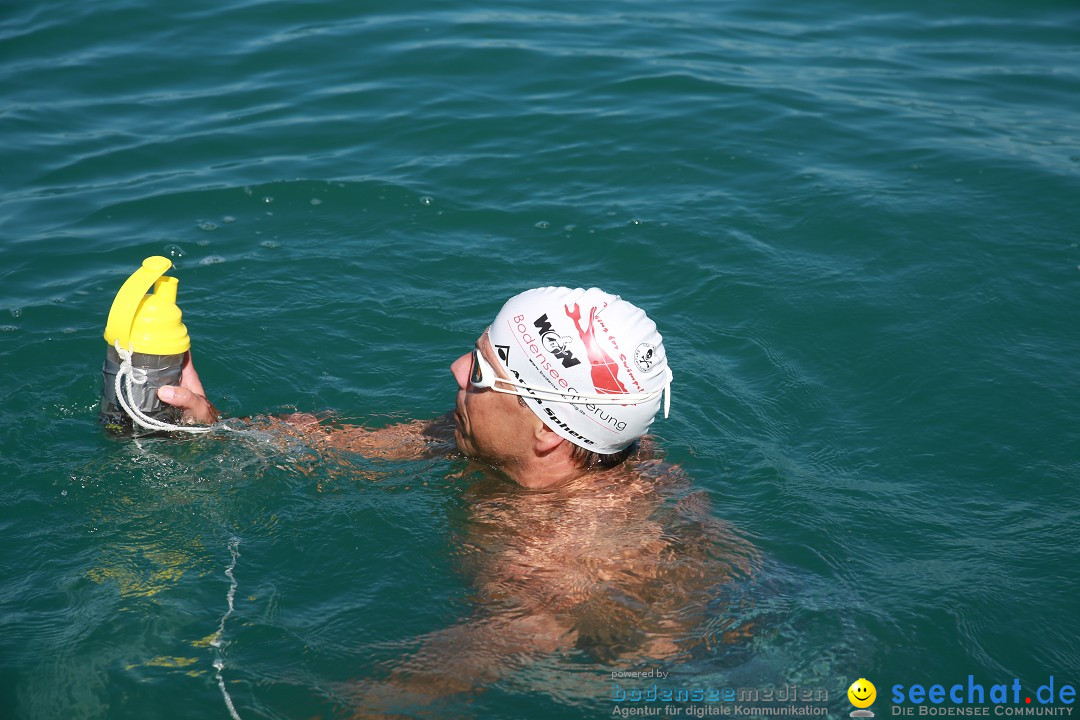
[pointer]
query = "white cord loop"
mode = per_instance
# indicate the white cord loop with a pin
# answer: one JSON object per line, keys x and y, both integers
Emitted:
{"x": 137, "y": 376}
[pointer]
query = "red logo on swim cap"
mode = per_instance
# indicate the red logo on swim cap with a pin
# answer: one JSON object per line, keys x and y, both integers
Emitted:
{"x": 605, "y": 371}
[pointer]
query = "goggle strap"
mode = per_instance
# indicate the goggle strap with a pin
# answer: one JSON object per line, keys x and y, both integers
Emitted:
{"x": 522, "y": 389}
{"x": 539, "y": 393}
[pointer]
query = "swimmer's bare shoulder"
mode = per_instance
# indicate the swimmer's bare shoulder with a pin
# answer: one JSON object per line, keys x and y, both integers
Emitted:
{"x": 409, "y": 440}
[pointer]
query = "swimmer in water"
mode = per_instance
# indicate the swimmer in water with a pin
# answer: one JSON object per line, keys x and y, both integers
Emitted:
{"x": 606, "y": 550}
{"x": 562, "y": 383}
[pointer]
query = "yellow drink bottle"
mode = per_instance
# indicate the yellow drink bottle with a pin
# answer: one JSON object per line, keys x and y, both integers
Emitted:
{"x": 149, "y": 327}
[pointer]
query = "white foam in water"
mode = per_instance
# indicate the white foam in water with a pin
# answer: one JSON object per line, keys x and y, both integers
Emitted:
{"x": 216, "y": 641}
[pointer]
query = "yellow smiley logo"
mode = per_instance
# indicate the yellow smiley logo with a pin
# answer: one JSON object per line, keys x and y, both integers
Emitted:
{"x": 862, "y": 693}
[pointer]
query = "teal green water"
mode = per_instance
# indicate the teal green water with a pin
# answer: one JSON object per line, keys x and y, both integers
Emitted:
{"x": 856, "y": 226}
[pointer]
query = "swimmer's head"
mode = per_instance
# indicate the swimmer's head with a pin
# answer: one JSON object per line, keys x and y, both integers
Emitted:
{"x": 594, "y": 364}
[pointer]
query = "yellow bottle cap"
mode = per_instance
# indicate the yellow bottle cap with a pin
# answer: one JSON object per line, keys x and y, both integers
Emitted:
{"x": 148, "y": 323}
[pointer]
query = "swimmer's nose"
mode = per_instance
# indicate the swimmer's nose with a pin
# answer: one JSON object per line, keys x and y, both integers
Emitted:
{"x": 461, "y": 369}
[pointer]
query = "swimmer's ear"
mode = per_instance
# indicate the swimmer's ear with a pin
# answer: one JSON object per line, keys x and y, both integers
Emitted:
{"x": 545, "y": 439}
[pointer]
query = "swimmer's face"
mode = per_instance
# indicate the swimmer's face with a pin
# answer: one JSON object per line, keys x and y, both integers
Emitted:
{"x": 862, "y": 693}
{"x": 492, "y": 426}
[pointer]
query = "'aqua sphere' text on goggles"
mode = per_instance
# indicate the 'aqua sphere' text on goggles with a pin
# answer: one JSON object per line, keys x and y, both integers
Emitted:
{"x": 483, "y": 376}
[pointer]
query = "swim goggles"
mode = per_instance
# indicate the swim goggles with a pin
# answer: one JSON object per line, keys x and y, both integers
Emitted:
{"x": 483, "y": 376}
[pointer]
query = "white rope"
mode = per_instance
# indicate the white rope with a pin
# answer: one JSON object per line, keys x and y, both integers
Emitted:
{"x": 137, "y": 376}
{"x": 216, "y": 641}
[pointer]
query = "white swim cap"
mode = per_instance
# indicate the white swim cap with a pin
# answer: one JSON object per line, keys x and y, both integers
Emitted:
{"x": 588, "y": 342}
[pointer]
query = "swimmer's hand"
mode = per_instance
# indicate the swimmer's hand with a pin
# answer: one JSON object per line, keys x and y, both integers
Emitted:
{"x": 189, "y": 396}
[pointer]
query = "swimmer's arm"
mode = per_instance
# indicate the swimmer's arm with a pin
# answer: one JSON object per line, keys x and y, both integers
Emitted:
{"x": 410, "y": 440}
{"x": 402, "y": 441}
{"x": 462, "y": 658}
